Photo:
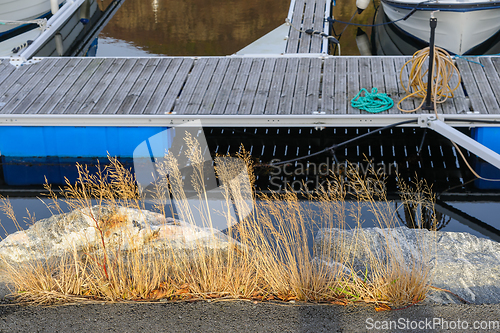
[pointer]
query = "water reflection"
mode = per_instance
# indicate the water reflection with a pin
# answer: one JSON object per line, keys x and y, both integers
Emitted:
{"x": 216, "y": 27}
{"x": 194, "y": 27}
{"x": 111, "y": 47}
{"x": 155, "y": 10}
{"x": 484, "y": 210}
{"x": 416, "y": 216}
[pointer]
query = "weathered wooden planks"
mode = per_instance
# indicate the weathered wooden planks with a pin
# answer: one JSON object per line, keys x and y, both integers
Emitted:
{"x": 281, "y": 85}
{"x": 294, "y": 35}
{"x": 286, "y": 97}
{"x": 340, "y": 86}
{"x": 207, "y": 104}
{"x": 114, "y": 102}
{"x": 272, "y": 103}
{"x": 238, "y": 89}
{"x": 73, "y": 88}
{"x": 307, "y": 14}
{"x": 64, "y": 91}
{"x": 20, "y": 83}
{"x": 151, "y": 86}
{"x": 391, "y": 78}
{"x": 471, "y": 86}
{"x": 135, "y": 91}
{"x": 226, "y": 86}
{"x": 353, "y": 76}
{"x": 264, "y": 87}
{"x": 377, "y": 76}
{"x": 313, "y": 86}
{"x": 32, "y": 93}
{"x": 328, "y": 87}
{"x": 488, "y": 82}
{"x": 398, "y": 66}
{"x": 98, "y": 87}
{"x": 319, "y": 23}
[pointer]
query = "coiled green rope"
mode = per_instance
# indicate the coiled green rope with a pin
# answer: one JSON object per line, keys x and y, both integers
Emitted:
{"x": 372, "y": 102}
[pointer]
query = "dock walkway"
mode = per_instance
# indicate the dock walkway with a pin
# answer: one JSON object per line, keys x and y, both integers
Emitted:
{"x": 284, "y": 90}
{"x": 308, "y": 14}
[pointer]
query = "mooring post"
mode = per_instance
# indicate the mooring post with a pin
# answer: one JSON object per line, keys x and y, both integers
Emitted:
{"x": 428, "y": 101}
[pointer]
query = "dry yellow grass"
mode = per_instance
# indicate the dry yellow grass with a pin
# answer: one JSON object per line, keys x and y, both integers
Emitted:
{"x": 270, "y": 254}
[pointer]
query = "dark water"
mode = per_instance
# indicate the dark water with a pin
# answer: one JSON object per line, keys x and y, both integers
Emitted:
{"x": 39, "y": 209}
{"x": 189, "y": 27}
{"x": 461, "y": 205}
{"x": 223, "y": 27}
{"x": 210, "y": 28}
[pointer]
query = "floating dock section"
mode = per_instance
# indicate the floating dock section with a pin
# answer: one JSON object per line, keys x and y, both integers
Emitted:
{"x": 77, "y": 108}
{"x": 50, "y": 101}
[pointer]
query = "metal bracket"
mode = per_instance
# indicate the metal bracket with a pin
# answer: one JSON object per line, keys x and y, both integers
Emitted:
{"x": 21, "y": 61}
{"x": 425, "y": 119}
{"x": 430, "y": 121}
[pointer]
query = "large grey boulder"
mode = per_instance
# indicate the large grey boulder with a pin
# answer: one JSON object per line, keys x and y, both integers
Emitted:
{"x": 464, "y": 264}
{"x": 124, "y": 229}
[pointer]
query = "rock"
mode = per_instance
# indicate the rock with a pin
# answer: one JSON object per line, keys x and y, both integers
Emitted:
{"x": 464, "y": 264}
{"x": 353, "y": 244}
{"x": 124, "y": 229}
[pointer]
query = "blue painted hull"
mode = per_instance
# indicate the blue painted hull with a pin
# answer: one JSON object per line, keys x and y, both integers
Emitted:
{"x": 29, "y": 154}
{"x": 489, "y": 137}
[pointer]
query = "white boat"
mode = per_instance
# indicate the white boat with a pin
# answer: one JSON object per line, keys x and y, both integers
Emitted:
{"x": 22, "y": 10}
{"x": 461, "y": 24}
{"x": 13, "y": 32}
{"x": 27, "y": 30}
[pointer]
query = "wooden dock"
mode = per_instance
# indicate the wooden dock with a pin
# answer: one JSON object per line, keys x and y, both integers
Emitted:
{"x": 308, "y": 14}
{"x": 281, "y": 90}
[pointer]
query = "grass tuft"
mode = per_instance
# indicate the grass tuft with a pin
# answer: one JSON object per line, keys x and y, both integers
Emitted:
{"x": 270, "y": 252}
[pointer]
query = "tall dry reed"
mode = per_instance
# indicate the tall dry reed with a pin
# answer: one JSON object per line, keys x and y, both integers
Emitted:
{"x": 270, "y": 251}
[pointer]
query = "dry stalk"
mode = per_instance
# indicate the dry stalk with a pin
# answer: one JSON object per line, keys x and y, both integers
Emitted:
{"x": 269, "y": 251}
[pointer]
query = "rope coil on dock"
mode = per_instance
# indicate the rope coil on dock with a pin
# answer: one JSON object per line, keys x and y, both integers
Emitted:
{"x": 373, "y": 102}
{"x": 442, "y": 74}
{"x": 443, "y": 71}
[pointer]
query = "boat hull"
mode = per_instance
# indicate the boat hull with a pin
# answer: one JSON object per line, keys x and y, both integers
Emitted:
{"x": 22, "y": 10}
{"x": 7, "y": 46}
{"x": 389, "y": 39}
{"x": 458, "y": 30}
{"x": 70, "y": 33}
{"x": 31, "y": 154}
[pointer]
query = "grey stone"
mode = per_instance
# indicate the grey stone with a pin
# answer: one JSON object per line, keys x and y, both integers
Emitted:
{"x": 123, "y": 228}
{"x": 464, "y": 264}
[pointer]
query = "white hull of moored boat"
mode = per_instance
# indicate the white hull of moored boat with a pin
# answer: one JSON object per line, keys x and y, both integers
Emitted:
{"x": 7, "y": 46}
{"x": 457, "y": 31}
{"x": 57, "y": 36}
{"x": 22, "y": 10}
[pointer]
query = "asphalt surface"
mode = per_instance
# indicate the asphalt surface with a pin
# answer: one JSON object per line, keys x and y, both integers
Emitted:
{"x": 245, "y": 316}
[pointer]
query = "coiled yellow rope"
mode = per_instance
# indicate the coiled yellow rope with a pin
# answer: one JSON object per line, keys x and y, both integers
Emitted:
{"x": 443, "y": 71}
